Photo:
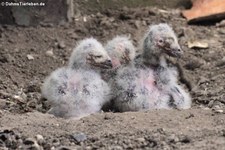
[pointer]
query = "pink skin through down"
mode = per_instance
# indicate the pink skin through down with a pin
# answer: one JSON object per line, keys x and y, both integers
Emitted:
{"x": 149, "y": 84}
{"x": 115, "y": 62}
{"x": 74, "y": 83}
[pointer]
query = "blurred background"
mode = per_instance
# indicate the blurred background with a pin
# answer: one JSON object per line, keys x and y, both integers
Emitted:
{"x": 66, "y": 10}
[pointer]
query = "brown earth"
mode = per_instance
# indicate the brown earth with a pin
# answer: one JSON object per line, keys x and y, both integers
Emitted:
{"x": 26, "y": 59}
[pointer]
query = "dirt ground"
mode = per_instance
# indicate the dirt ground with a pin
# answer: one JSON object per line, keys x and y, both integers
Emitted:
{"x": 28, "y": 55}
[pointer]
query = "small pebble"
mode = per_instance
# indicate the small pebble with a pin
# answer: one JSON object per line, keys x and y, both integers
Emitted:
{"x": 63, "y": 148}
{"x": 30, "y": 57}
{"x": 173, "y": 138}
{"x": 84, "y": 19}
{"x": 29, "y": 141}
{"x": 74, "y": 36}
{"x": 50, "y": 53}
{"x": 107, "y": 117}
{"x": 221, "y": 24}
{"x": 19, "y": 98}
{"x": 185, "y": 139}
{"x": 141, "y": 139}
{"x": 137, "y": 24}
{"x": 40, "y": 138}
{"x": 52, "y": 148}
{"x": 218, "y": 111}
{"x": 79, "y": 137}
{"x": 210, "y": 105}
{"x": 189, "y": 116}
{"x": 61, "y": 44}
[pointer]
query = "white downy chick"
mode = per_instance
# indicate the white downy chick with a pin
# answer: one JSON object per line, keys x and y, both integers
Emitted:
{"x": 136, "y": 90}
{"x": 160, "y": 41}
{"x": 151, "y": 83}
{"x": 121, "y": 51}
{"x": 78, "y": 90}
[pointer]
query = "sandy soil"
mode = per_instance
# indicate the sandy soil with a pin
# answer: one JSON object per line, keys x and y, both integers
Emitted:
{"x": 28, "y": 55}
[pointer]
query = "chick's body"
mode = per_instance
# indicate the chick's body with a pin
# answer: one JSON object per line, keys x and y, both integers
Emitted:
{"x": 161, "y": 41}
{"x": 136, "y": 90}
{"x": 149, "y": 82}
{"x": 121, "y": 51}
{"x": 75, "y": 93}
{"x": 78, "y": 90}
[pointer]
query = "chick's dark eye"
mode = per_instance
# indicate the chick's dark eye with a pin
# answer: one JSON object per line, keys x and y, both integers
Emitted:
{"x": 160, "y": 40}
{"x": 99, "y": 56}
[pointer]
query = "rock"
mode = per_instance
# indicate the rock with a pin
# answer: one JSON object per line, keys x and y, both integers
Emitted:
{"x": 33, "y": 49}
{"x": 190, "y": 116}
{"x": 21, "y": 17}
{"x": 107, "y": 117}
{"x": 223, "y": 133}
{"x": 79, "y": 137}
{"x": 50, "y": 53}
{"x": 33, "y": 86}
{"x": 55, "y": 142}
{"x": 39, "y": 138}
{"x": 221, "y": 24}
{"x": 222, "y": 31}
{"x": 210, "y": 104}
{"x": 5, "y": 94}
{"x": 1, "y": 112}
{"x": 44, "y": 24}
{"x": 3, "y": 59}
{"x": 198, "y": 44}
{"x": 161, "y": 130}
{"x": 31, "y": 143}
{"x": 202, "y": 80}
{"x": 141, "y": 139}
{"x": 117, "y": 147}
{"x": 10, "y": 139}
{"x": 63, "y": 148}
{"x": 185, "y": 139}
{"x": 5, "y": 56}
{"x": 10, "y": 41}
{"x": 88, "y": 148}
{"x": 193, "y": 64}
{"x": 10, "y": 58}
{"x": 53, "y": 148}
{"x": 173, "y": 138}
{"x": 30, "y": 57}
{"x": 137, "y": 24}
{"x": 16, "y": 50}
{"x": 85, "y": 19}
{"x": 18, "y": 98}
{"x": 3, "y": 103}
{"x": 74, "y": 36}
{"x": 220, "y": 62}
{"x": 218, "y": 111}
{"x": 61, "y": 44}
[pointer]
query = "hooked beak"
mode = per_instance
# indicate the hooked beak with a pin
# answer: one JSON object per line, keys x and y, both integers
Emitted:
{"x": 174, "y": 51}
{"x": 106, "y": 64}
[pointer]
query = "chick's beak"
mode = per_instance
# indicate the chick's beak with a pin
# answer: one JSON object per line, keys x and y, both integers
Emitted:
{"x": 174, "y": 51}
{"x": 178, "y": 52}
{"x": 107, "y": 64}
